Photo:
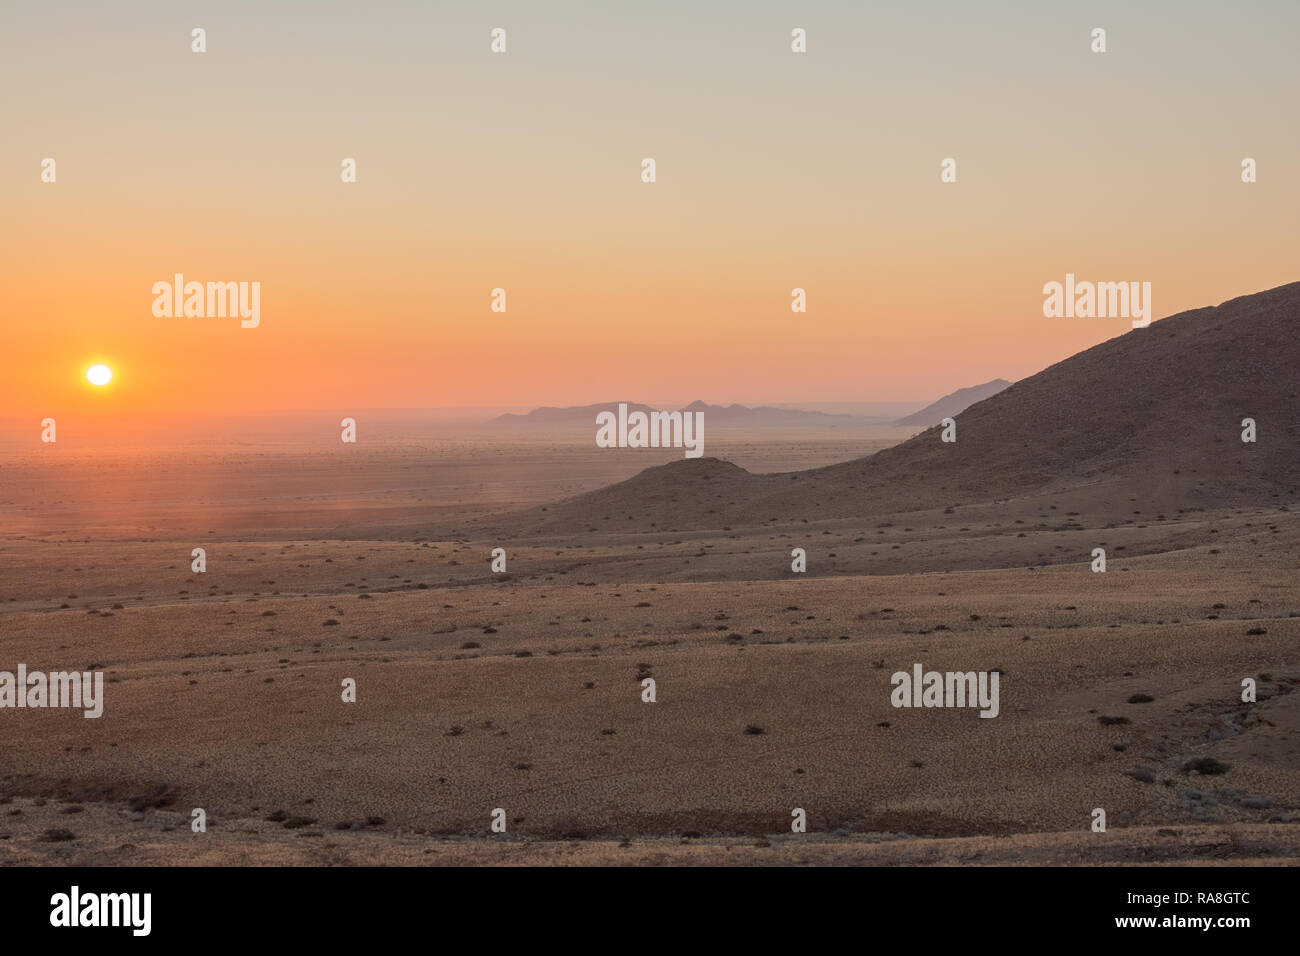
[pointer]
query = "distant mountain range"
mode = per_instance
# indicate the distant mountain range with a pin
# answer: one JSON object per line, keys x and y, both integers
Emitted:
{"x": 762, "y": 415}
{"x": 954, "y": 404}
{"x": 713, "y": 414}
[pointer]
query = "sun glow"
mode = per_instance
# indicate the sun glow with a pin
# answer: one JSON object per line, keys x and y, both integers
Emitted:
{"x": 99, "y": 375}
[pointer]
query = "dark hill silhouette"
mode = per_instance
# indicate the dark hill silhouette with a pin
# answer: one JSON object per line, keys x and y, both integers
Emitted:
{"x": 1145, "y": 423}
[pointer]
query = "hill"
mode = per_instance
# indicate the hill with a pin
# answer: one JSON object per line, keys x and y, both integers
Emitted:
{"x": 568, "y": 415}
{"x": 1143, "y": 424}
{"x": 953, "y": 404}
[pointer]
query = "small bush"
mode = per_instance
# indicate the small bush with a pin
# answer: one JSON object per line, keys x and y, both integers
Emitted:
{"x": 1206, "y": 766}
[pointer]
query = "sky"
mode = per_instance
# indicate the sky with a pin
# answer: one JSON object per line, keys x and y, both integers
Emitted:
{"x": 522, "y": 171}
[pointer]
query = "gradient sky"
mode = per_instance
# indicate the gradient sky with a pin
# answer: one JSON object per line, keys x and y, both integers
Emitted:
{"x": 476, "y": 170}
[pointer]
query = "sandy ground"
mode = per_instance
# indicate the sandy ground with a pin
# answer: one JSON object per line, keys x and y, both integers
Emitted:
{"x": 118, "y": 836}
{"x": 523, "y": 691}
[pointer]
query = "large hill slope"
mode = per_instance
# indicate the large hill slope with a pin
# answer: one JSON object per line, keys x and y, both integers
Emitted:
{"x": 1151, "y": 416}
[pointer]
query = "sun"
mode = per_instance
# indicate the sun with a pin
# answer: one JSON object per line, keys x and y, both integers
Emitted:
{"x": 99, "y": 375}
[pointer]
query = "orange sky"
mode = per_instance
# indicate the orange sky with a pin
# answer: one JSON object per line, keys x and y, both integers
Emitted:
{"x": 521, "y": 171}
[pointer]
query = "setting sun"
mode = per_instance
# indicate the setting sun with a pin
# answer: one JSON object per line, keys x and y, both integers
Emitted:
{"x": 99, "y": 375}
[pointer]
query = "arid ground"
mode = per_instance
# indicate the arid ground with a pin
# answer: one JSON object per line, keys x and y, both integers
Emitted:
{"x": 522, "y": 691}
